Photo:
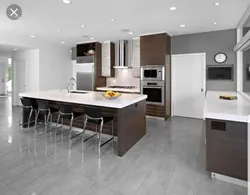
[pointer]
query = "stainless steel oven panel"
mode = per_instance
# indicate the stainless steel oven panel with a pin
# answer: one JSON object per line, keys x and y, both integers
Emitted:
{"x": 159, "y": 85}
{"x": 160, "y": 73}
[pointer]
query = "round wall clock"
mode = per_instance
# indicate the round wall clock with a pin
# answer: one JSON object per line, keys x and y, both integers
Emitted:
{"x": 220, "y": 57}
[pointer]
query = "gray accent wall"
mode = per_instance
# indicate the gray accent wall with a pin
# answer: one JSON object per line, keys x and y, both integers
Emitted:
{"x": 210, "y": 43}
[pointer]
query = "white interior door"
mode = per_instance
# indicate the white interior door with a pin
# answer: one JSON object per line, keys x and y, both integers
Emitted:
{"x": 20, "y": 78}
{"x": 188, "y": 85}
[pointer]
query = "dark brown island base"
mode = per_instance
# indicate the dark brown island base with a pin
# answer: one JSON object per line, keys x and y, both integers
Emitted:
{"x": 227, "y": 148}
{"x": 226, "y": 123}
{"x": 129, "y": 112}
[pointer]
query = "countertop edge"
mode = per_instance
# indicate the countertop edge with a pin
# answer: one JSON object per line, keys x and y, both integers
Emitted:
{"x": 117, "y": 106}
{"x": 226, "y": 117}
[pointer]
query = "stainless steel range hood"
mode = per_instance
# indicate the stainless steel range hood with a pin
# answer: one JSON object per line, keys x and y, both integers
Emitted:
{"x": 122, "y": 54}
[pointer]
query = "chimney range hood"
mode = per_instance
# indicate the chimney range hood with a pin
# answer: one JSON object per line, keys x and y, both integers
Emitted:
{"x": 123, "y": 55}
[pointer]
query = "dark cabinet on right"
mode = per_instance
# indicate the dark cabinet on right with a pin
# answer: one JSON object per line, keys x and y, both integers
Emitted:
{"x": 226, "y": 148}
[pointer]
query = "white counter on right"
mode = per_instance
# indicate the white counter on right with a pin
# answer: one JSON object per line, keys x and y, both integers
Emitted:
{"x": 231, "y": 110}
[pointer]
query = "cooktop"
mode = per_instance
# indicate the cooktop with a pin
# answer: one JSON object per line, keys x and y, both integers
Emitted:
{"x": 122, "y": 87}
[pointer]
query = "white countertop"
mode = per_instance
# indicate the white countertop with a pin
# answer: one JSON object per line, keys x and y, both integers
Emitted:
{"x": 90, "y": 98}
{"x": 134, "y": 90}
{"x": 232, "y": 110}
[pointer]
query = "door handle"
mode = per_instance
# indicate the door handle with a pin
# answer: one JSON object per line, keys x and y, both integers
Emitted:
{"x": 202, "y": 90}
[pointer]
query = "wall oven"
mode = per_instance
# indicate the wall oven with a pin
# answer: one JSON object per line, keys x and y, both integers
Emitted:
{"x": 154, "y": 90}
{"x": 155, "y": 72}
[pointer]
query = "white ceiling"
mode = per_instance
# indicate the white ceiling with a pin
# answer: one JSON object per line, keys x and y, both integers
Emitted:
{"x": 5, "y": 50}
{"x": 43, "y": 18}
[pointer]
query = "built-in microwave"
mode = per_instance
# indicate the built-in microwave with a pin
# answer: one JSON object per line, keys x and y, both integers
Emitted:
{"x": 153, "y": 72}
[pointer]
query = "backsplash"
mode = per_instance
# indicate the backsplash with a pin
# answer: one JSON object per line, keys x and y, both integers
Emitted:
{"x": 124, "y": 77}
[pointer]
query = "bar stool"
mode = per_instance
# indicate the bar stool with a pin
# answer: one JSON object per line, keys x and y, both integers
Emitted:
{"x": 95, "y": 116}
{"x": 28, "y": 106}
{"x": 45, "y": 111}
{"x": 66, "y": 112}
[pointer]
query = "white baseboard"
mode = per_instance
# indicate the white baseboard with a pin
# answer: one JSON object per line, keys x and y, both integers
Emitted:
{"x": 229, "y": 179}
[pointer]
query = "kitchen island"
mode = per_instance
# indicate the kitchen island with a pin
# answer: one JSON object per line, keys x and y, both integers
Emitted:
{"x": 227, "y": 136}
{"x": 129, "y": 112}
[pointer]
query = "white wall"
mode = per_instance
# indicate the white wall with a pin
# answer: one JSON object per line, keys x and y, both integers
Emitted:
{"x": 54, "y": 59}
{"x": 55, "y": 68}
{"x": 3, "y": 73}
{"x": 32, "y": 66}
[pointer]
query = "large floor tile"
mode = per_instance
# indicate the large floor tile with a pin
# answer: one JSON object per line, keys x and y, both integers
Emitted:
{"x": 169, "y": 160}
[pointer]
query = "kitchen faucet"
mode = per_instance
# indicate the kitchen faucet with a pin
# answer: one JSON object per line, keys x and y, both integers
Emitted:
{"x": 71, "y": 82}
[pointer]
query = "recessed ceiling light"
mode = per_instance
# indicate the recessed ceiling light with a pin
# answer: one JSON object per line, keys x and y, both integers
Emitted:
{"x": 172, "y": 8}
{"x": 66, "y": 1}
{"x": 62, "y": 42}
{"x": 217, "y": 3}
{"x": 215, "y": 23}
{"x": 182, "y": 25}
{"x": 59, "y": 30}
{"x": 32, "y": 36}
{"x": 92, "y": 38}
{"x": 112, "y": 19}
{"x": 130, "y": 33}
{"x": 15, "y": 49}
{"x": 82, "y": 25}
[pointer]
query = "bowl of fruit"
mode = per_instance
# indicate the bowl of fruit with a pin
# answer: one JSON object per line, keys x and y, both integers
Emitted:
{"x": 111, "y": 94}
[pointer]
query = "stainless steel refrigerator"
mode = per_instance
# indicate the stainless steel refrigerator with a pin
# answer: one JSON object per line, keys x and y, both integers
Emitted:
{"x": 85, "y": 76}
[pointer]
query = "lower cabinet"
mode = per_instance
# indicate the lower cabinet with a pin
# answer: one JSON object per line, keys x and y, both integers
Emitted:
{"x": 226, "y": 148}
{"x": 155, "y": 110}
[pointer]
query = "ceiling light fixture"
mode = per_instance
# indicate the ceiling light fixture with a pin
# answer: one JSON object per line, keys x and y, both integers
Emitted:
{"x": 66, "y": 1}
{"x": 92, "y": 38}
{"x": 182, "y": 25}
{"x": 217, "y": 3}
{"x": 82, "y": 25}
{"x": 172, "y": 8}
{"x": 130, "y": 33}
{"x": 32, "y": 36}
{"x": 112, "y": 19}
{"x": 15, "y": 49}
{"x": 215, "y": 23}
{"x": 62, "y": 42}
{"x": 59, "y": 30}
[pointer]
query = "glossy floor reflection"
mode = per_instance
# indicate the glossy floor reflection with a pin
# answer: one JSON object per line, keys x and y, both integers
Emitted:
{"x": 169, "y": 160}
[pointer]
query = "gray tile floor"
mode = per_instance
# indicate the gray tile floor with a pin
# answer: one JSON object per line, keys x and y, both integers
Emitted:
{"x": 169, "y": 160}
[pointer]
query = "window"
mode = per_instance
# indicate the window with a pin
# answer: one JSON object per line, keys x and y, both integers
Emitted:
{"x": 246, "y": 70}
{"x": 9, "y": 61}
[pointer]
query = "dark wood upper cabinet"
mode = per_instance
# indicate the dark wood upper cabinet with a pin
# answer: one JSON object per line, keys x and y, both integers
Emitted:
{"x": 153, "y": 49}
{"x": 83, "y": 49}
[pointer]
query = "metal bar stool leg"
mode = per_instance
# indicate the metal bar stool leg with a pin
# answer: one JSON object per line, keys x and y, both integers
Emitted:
{"x": 20, "y": 118}
{"x": 58, "y": 119}
{"x": 45, "y": 121}
{"x": 38, "y": 112}
{"x": 100, "y": 139}
{"x": 113, "y": 133}
{"x": 84, "y": 128}
{"x": 71, "y": 123}
{"x": 31, "y": 111}
{"x": 50, "y": 122}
